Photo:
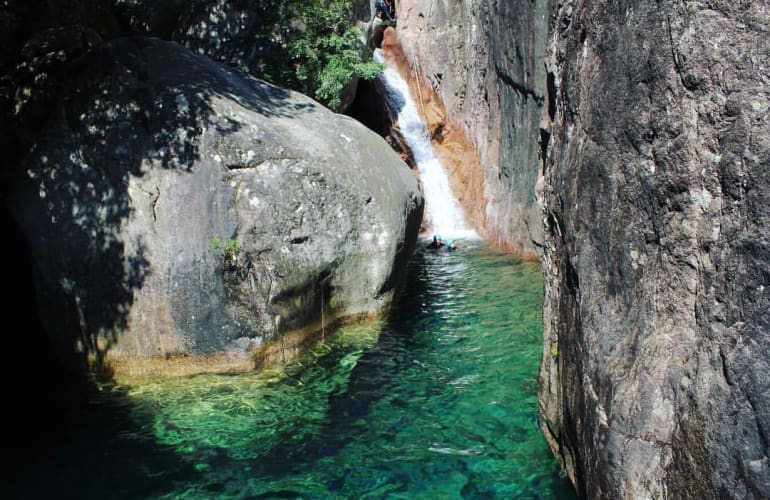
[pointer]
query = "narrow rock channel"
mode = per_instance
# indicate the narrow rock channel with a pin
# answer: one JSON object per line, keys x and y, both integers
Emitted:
{"x": 438, "y": 399}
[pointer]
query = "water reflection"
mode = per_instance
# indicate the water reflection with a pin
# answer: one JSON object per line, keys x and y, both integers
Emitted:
{"x": 439, "y": 400}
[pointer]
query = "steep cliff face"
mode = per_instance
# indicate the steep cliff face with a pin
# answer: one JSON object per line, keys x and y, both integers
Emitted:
{"x": 181, "y": 214}
{"x": 484, "y": 61}
{"x": 655, "y": 379}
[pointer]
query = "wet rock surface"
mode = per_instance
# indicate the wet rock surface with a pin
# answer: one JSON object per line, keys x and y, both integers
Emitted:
{"x": 484, "y": 61}
{"x": 654, "y": 380}
{"x": 178, "y": 209}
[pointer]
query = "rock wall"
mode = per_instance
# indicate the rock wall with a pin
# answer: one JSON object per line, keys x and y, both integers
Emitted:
{"x": 181, "y": 214}
{"x": 655, "y": 377}
{"x": 485, "y": 63}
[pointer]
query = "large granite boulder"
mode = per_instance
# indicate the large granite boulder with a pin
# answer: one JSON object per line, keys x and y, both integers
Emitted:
{"x": 181, "y": 214}
{"x": 655, "y": 380}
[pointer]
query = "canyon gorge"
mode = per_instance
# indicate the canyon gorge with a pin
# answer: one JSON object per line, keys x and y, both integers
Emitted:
{"x": 624, "y": 145}
{"x": 641, "y": 130}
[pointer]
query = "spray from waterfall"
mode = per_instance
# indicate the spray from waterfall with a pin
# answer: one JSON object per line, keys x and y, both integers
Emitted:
{"x": 445, "y": 215}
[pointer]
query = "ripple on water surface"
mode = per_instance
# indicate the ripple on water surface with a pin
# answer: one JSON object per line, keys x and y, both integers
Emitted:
{"x": 439, "y": 400}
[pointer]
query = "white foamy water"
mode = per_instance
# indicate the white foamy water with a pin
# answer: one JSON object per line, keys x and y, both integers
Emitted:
{"x": 445, "y": 215}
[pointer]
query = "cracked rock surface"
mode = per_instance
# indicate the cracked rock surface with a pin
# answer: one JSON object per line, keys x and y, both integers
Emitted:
{"x": 655, "y": 380}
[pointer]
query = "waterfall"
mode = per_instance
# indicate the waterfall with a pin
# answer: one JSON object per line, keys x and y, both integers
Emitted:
{"x": 445, "y": 215}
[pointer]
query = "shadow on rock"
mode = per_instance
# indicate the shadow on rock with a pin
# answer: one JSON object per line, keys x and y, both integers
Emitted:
{"x": 128, "y": 106}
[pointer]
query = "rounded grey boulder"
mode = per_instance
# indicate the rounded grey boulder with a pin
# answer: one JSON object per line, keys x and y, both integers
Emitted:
{"x": 182, "y": 214}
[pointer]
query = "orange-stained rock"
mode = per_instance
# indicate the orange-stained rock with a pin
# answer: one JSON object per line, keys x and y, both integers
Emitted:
{"x": 484, "y": 62}
{"x": 452, "y": 145}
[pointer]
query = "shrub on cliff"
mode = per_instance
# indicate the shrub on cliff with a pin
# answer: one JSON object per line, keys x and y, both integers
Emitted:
{"x": 329, "y": 53}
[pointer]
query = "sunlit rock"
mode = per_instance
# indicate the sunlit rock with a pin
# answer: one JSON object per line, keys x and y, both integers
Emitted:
{"x": 483, "y": 88}
{"x": 655, "y": 380}
{"x": 181, "y": 215}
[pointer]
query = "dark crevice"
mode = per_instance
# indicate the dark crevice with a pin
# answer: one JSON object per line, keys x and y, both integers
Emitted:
{"x": 572, "y": 278}
{"x": 522, "y": 88}
{"x": 370, "y": 109}
{"x": 545, "y": 138}
{"x": 551, "y": 86}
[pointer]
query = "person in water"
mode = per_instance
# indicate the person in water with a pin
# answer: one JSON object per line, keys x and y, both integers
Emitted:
{"x": 451, "y": 246}
{"x": 436, "y": 243}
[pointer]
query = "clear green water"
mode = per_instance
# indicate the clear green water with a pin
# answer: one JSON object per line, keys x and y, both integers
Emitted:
{"x": 439, "y": 400}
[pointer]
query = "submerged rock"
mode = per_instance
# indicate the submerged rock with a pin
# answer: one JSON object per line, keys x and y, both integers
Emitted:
{"x": 655, "y": 380}
{"x": 181, "y": 214}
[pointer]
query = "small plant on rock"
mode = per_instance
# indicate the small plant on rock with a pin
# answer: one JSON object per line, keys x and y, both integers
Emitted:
{"x": 230, "y": 250}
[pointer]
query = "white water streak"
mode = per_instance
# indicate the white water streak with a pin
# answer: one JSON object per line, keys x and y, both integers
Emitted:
{"x": 445, "y": 215}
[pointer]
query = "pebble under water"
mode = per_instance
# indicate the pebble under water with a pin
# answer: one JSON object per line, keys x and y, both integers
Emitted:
{"x": 438, "y": 400}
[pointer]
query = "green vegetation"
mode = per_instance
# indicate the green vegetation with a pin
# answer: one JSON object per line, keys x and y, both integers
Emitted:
{"x": 227, "y": 249}
{"x": 328, "y": 52}
{"x": 311, "y": 46}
